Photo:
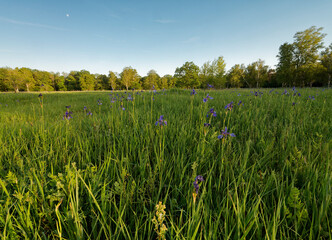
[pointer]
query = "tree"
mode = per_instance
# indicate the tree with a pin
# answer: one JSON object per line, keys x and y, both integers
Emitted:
{"x": 43, "y": 80}
{"x": 168, "y": 81}
{"x": 236, "y": 75}
{"x": 152, "y": 80}
{"x": 262, "y": 73}
{"x": 27, "y": 78}
{"x": 59, "y": 82}
{"x": 163, "y": 83}
{"x": 15, "y": 80}
{"x": 326, "y": 60}
{"x": 130, "y": 78}
{"x": 286, "y": 65}
{"x": 219, "y": 70}
{"x": 187, "y": 75}
{"x": 306, "y": 46}
{"x": 206, "y": 74}
{"x": 213, "y": 73}
{"x": 86, "y": 80}
{"x": 313, "y": 72}
{"x": 113, "y": 79}
{"x": 71, "y": 81}
{"x": 256, "y": 74}
{"x": 4, "y": 76}
{"x": 102, "y": 82}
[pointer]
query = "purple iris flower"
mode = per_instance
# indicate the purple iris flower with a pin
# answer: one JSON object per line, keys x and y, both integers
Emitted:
{"x": 40, "y": 95}
{"x": 67, "y": 115}
{"x": 42, "y": 85}
{"x": 85, "y": 108}
{"x": 68, "y": 106}
{"x": 89, "y": 113}
{"x": 99, "y": 102}
{"x": 207, "y": 97}
{"x": 293, "y": 104}
{"x": 211, "y": 112}
{"x": 196, "y": 186}
{"x": 312, "y": 97}
{"x": 161, "y": 121}
{"x": 299, "y": 94}
{"x": 224, "y": 134}
{"x": 240, "y": 103}
{"x": 271, "y": 90}
{"x": 229, "y": 106}
{"x": 207, "y": 124}
{"x": 210, "y": 86}
{"x": 193, "y": 92}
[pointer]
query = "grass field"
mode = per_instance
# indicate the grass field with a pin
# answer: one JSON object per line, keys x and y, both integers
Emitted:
{"x": 97, "y": 169}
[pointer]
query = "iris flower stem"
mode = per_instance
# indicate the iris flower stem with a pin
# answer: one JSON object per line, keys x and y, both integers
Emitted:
{"x": 151, "y": 107}
{"x": 228, "y": 118}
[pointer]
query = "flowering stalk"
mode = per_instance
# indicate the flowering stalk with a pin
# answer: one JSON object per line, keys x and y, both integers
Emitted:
{"x": 196, "y": 186}
{"x": 159, "y": 227}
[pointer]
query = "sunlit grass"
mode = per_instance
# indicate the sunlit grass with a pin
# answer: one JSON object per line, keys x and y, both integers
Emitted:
{"x": 100, "y": 176}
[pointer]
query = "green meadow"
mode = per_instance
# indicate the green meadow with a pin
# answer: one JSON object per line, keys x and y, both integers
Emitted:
{"x": 94, "y": 165}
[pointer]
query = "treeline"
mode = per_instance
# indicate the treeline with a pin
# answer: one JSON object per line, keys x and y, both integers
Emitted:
{"x": 305, "y": 62}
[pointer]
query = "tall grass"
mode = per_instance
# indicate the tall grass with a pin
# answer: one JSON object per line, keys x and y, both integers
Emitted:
{"x": 100, "y": 176}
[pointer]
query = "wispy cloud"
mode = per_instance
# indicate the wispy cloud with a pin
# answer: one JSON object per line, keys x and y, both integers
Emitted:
{"x": 164, "y": 21}
{"x": 37, "y": 25}
{"x": 191, "y": 40}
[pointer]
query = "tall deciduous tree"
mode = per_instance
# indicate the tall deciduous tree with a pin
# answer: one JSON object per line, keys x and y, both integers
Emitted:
{"x": 152, "y": 80}
{"x": 27, "y": 78}
{"x": 219, "y": 72}
{"x": 168, "y": 81}
{"x": 43, "y": 80}
{"x": 86, "y": 80}
{"x": 213, "y": 73}
{"x": 71, "y": 81}
{"x": 187, "y": 75}
{"x": 206, "y": 74}
{"x": 286, "y": 65}
{"x": 307, "y": 43}
{"x": 129, "y": 78}
{"x": 236, "y": 75}
{"x": 113, "y": 79}
{"x": 101, "y": 82}
{"x": 15, "y": 80}
{"x": 4, "y": 77}
{"x": 256, "y": 74}
{"x": 326, "y": 60}
{"x": 59, "y": 82}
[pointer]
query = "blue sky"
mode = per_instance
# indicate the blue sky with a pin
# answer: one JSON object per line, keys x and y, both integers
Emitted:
{"x": 100, "y": 36}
